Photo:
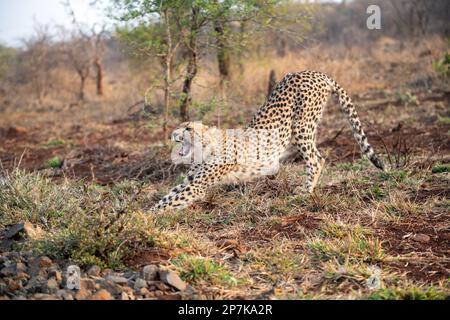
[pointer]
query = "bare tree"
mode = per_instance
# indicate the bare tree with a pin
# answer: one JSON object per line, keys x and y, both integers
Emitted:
{"x": 98, "y": 43}
{"x": 34, "y": 62}
{"x": 93, "y": 42}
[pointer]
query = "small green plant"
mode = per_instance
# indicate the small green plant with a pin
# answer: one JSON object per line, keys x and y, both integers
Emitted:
{"x": 54, "y": 162}
{"x": 412, "y": 293}
{"x": 406, "y": 98}
{"x": 442, "y": 66}
{"x": 441, "y": 168}
{"x": 55, "y": 143}
{"x": 346, "y": 243}
{"x": 377, "y": 193}
{"x": 197, "y": 269}
{"x": 395, "y": 176}
{"x": 444, "y": 120}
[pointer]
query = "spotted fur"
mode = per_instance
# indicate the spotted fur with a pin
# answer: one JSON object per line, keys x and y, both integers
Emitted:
{"x": 293, "y": 110}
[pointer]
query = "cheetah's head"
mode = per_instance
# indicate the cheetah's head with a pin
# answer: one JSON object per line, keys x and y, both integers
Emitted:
{"x": 191, "y": 135}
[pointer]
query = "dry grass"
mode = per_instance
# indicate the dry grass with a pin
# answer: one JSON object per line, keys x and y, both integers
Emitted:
{"x": 260, "y": 239}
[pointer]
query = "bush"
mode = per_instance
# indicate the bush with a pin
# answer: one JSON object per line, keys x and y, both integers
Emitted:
{"x": 442, "y": 66}
{"x": 88, "y": 224}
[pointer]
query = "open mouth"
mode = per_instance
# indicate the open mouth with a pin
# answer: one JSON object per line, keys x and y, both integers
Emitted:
{"x": 185, "y": 149}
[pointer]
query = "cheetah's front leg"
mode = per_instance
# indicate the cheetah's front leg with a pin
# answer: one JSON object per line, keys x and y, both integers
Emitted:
{"x": 195, "y": 187}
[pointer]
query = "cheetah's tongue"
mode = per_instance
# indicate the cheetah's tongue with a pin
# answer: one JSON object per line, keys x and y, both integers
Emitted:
{"x": 184, "y": 150}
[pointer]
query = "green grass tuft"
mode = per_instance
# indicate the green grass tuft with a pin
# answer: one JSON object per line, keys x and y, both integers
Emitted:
{"x": 54, "y": 162}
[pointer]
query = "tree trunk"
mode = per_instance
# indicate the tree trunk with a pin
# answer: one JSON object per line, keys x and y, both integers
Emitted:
{"x": 82, "y": 83}
{"x": 272, "y": 83}
{"x": 168, "y": 76}
{"x": 223, "y": 61}
{"x": 223, "y": 54}
{"x": 99, "y": 67}
{"x": 191, "y": 70}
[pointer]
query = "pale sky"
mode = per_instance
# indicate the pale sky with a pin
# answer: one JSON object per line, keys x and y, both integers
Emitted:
{"x": 17, "y": 17}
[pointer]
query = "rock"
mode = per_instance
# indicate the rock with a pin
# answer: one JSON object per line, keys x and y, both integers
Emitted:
{"x": 44, "y": 262}
{"x": 52, "y": 286}
{"x": 117, "y": 279}
{"x": 14, "y": 285}
{"x": 124, "y": 296}
{"x": 190, "y": 291}
{"x": 101, "y": 295}
{"x": 15, "y": 131}
{"x": 19, "y": 297}
{"x": 21, "y": 267}
{"x": 82, "y": 294}
{"x": 150, "y": 272}
{"x": 15, "y": 231}
{"x": 144, "y": 292}
{"x": 129, "y": 293}
{"x": 107, "y": 272}
{"x": 64, "y": 294}
{"x": 7, "y": 271}
{"x": 131, "y": 275}
{"x": 72, "y": 277}
{"x": 112, "y": 287}
{"x": 56, "y": 274}
{"x": 172, "y": 279}
{"x": 94, "y": 271}
{"x": 88, "y": 284}
{"x": 420, "y": 237}
{"x": 159, "y": 285}
{"x": 22, "y": 276}
{"x": 140, "y": 283}
{"x": 36, "y": 284}
{"x": 43, "y": 296}
{"x": 3, "y": 288}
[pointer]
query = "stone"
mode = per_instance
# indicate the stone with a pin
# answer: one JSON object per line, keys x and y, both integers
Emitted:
{"x": 3, "y": 288}
{"x": 101, "y": 295}
{"x": 36, "y": 284}
{"x": 159, "y": 285}
{"x": 14, "y": 285}
{"x": 150, "y": 272}
{"x": 140, "y": 283}
{"x": 17, "y": 230}
{"x": 124, "y": 296}
{"x": 82, "y": 294}
{"x": 22, "y": 276}
{"x": 64, "y": 294}
{"x": 117, "y": 279}
{"x": 107, "y": 272}
{"x": 94, "y": 271}
{"x": 420, "y": 237}
{"x": 87, "y": 284}
{"x": 144, "y": 292}
{"x": 72, "y": 277}
{"x": 52, "y": 286}
{"x": 56, "y": 274}
{"x": 112, "y": 287}
{"x": 7, "y": 271}
{"x": 172, "y": 279}
{"x": 21, "y": 267}
{"x": 44, "y": 262}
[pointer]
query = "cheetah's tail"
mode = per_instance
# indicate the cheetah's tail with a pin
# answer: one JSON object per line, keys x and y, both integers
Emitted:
{"x": 349, "y": 110}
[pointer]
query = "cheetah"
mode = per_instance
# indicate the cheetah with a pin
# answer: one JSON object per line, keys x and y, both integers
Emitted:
{"x": 285, "y": 124}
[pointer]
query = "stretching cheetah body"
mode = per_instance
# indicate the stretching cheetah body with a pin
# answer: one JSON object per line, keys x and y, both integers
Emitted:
{"x": 292, "y": 111}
